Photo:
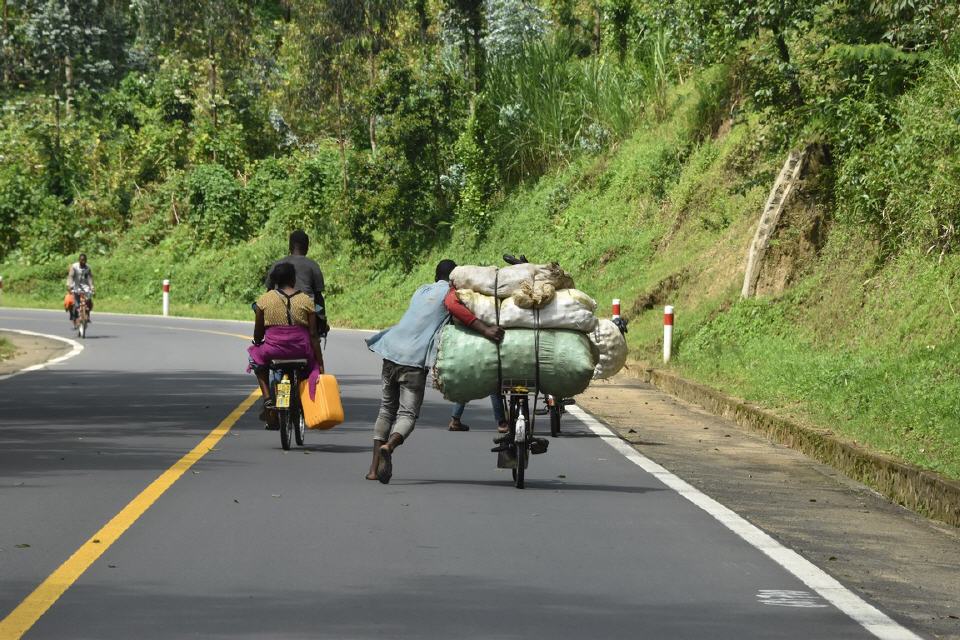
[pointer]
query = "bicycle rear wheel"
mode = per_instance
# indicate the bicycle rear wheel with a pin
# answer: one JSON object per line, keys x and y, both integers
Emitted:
{"x": 301, "y": 426}
{"x": 554, "y": 420}
{"x": 286, "y": 428}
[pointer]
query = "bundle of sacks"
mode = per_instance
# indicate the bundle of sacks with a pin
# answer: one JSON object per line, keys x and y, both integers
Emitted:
{"x": 551, "y": 328}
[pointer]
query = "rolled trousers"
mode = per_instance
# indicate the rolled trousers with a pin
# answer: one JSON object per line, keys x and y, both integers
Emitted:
{"x": 403, "y": 388}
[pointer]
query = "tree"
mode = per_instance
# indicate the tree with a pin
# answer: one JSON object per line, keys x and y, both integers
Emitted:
{"x": 67, "y": 44}
{"x": 511, "y": 24}
{"x": 463, "y": 30}
{"x": 218, "y": 30}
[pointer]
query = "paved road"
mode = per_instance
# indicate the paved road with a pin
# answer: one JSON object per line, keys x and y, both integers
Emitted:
{"x": 254, "y": 542}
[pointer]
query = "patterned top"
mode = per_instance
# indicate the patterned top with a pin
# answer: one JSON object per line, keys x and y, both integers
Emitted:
{"x": 274, "y": 307}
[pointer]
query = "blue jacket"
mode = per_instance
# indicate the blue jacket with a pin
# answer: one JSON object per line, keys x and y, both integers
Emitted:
{"x": 413, "y": 341}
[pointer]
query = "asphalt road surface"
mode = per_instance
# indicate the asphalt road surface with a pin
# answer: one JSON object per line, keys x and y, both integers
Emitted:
{"x": 254, "y": 542}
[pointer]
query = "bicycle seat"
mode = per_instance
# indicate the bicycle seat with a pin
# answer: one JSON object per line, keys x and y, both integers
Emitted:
{"x": 287, "y": 365}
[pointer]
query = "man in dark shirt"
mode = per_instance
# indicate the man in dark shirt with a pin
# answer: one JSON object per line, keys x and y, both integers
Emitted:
{"x": 309, "y": 276}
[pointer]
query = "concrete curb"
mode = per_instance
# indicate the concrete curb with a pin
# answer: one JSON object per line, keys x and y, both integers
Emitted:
{"x": 919, "y": 490}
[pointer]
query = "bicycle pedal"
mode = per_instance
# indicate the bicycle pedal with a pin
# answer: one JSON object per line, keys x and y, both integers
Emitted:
{"x": 500, "y": 439}
{"x": 539, "y": 445}
{"x": 501, "y": 447}
{"x": 542, "y": 411}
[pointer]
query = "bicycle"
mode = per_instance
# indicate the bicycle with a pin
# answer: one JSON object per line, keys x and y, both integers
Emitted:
{"x": 285, "y": 377}
{"x": 515, "y": 447}
{"x": 81, "y": 311}
{"x": 555, "y": 407}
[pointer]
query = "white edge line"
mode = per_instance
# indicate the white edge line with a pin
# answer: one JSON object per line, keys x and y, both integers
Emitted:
{"x": 161, "y": 317}
{"x": 76, "y": 349}
{"x": 868, "y": 616}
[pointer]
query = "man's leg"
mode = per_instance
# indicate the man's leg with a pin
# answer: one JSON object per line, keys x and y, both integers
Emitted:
{"x": 411, "y": 381}
{"x": 455, "y": 424}
{"x": 389, "y": 403}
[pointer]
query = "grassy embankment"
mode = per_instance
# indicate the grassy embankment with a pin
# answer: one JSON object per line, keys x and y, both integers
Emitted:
{"x": 842, "y": 335}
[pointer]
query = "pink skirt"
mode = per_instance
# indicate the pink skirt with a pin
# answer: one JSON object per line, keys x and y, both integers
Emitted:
{"x": 286, "y": 342}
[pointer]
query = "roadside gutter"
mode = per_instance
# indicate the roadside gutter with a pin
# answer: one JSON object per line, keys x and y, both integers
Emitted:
{"x": 925, "y": 492}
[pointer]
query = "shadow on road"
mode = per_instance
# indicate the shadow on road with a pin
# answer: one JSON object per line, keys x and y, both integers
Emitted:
{"x": 534, "y": 484}
{"x": 79, "y": 421}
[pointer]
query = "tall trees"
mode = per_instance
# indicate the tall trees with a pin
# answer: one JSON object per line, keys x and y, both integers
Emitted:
{"x": 218, "y": 30}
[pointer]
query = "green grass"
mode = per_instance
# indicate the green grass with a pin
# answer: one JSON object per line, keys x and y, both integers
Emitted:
{"x": 6, "y": 349}
{"x": 863, "y": 346}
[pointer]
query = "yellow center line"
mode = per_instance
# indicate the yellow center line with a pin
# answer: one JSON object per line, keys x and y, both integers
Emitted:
{"x": 19, "y": 621}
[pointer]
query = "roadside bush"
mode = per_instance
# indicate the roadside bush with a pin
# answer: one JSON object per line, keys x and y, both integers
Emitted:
{"x": 905, "y": 186}
{"x": 20, "y": 196}
{"x": 267, "y": 191}
{"x": 216, "y": 204}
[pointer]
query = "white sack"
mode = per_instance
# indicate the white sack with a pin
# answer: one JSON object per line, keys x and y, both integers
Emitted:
{"x": 481, "y": 305}
{"x": 509, "y": 279}
{"x": 612, "y": 347}
{"x": 569, "y": 309}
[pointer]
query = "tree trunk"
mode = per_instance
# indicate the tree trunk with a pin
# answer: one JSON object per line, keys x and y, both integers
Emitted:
{"x": 476, "y": 31}
{"x": 373, "y": 115}
{"x": 340, "y": 141}
{"x": 597, "y": 32}
{"x": 212, "y": 80}
{"x": 784, "y": 52}
{"x": 423, "y": 20}
{"x": 68, "y": 82}
{"x": 6, "y": 49}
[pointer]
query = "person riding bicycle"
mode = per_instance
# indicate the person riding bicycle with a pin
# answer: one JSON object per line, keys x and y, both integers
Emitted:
{"x": 309, "y": 277}
{"x": 79, "y": 279}
{"x": 285, "y": 327}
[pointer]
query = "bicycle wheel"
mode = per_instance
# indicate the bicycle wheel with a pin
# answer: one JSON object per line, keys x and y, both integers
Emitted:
{"x": 554, "y": 420}
{"x": 286, "y": 428}
{"x": 301, "y": 427}
{"x": 521, "y": 442}
{"x": 81, "y": 320}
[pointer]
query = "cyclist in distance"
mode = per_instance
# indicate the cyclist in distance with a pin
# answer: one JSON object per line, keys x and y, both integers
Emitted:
{"x": 79, "y": 277}
{"x": 309, "y": 277}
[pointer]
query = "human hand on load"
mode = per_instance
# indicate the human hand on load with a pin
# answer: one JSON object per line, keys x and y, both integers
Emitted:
{"x": 490, "y": 332}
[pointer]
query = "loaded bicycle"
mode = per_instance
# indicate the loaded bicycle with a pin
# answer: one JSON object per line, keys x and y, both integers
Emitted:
{"x": 81, "y": 309}
{"x": 285, "y": 377}
{"x": 514, "y": 448}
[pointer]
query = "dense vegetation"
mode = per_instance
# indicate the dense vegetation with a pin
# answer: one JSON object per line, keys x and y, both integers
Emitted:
{"x": 634, "y": 141}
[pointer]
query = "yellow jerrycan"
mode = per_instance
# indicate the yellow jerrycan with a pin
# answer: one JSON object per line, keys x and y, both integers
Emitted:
{"x": 325, "y": 410}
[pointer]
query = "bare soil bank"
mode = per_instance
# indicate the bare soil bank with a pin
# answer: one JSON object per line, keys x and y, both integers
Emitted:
{"x": 30, "y": 350}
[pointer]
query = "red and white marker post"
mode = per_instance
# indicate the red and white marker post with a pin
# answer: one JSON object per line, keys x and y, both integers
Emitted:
{"x": 667, "y": 332}
{"x": 616, "y": 307}
{"x": 166, "y": 297}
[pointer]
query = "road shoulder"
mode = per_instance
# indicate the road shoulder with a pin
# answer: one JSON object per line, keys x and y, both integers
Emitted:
{"x": 30, "y": 350}
{"x": 904, "y": 563}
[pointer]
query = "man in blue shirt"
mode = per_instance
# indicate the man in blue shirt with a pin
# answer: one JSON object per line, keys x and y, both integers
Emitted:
{"x": 409, "y": 350}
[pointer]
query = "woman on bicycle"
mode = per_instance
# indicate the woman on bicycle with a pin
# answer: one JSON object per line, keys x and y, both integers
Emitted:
{"x": 285, "y": 328}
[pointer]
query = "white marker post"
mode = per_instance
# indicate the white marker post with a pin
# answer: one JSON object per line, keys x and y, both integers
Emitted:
{"x": 667, "y": 332}
{"x": 166, "y": 297}
{"x": 616, "y": 307}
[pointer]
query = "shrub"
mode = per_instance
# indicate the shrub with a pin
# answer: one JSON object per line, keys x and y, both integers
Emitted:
{"x": 216, "y": 204}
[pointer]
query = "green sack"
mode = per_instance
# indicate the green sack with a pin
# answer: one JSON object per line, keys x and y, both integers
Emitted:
{"x": 466, "y": 366}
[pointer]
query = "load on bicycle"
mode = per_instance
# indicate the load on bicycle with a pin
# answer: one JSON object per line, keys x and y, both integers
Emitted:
{"x": 553, "y": 344}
